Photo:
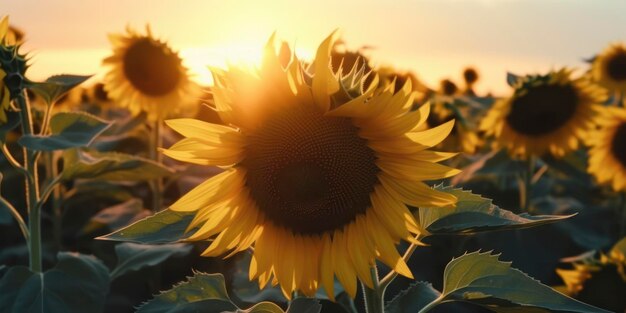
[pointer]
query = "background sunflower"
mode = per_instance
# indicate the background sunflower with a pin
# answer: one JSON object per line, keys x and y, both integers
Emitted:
{"x": 546, "y": 114}
{"x": 319, "y": 193}
{"x": 607, "y": 153}
{"x": 146, "y": 75}
{"x": 609, "y": 68}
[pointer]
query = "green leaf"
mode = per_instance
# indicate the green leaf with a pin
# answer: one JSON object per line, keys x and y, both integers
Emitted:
{"x": 117, "y": 216}
{"x": 200, "y": 293}
{"x": 413, "y": 299}
{"x": 512, "y": 79}
{"x": 206, "y": 293}
{"x": 68, "y": 130}
{"x": 482, "y": 279}
{"x": 133, "y": 257}
{"x": 166, "y": 226}
{"x": 77, "y": 284}
{"x": 56, "y": 86}
{"x": 111, "y": 166}
{"x": 263, "y": 307}
{"x": 474, "y": 213}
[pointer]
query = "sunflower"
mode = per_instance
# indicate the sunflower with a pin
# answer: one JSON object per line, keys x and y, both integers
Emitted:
{"x": 609, "y": 68}
{"x": 319, "y": 192}
{"x": 147, "y": 75}
{"x": 546, "y": 114}
{"x": 607, "y": 154}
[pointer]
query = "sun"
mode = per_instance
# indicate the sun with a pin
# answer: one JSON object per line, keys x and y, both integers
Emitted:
{"x": 199, "y": 60}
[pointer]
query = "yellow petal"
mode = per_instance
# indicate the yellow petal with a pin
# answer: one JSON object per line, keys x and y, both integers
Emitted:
{"x": 216, "y": 188}
{"x": 415, "y": 193}
{"x": 325, "y": 83}
{"x": 433, "y": 136}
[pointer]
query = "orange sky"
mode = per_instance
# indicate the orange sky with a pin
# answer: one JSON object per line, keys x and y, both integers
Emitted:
{"x": 434, "y": 38}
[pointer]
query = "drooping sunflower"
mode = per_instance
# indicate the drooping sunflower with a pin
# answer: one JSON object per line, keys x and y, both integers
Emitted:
{"x": 546, "y": 114}
{"x": 609, "y": 68}
{"x": 319, "y": 192}
{"x": 607, "y": 153}
{"x": 146, "y": 75}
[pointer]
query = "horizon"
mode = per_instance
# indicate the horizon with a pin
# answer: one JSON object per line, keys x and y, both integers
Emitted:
{"x": 498, "y": 36}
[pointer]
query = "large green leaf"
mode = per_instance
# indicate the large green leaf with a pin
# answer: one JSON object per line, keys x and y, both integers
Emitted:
{"x": 77, "y": 284}
{"x": 111, "y": 166}
{"x": 413, "y": 299}
{"x": 68, "y": 130}
{"x": 482, "y": 279}
{"x": 166, "y": 226}
{"x": 133, "y": 257}
{"x": 206, "y": 293}
{"x": 474, "y": 213}
{"x": 202, "y": 292}
{"x": 53, "y": 88}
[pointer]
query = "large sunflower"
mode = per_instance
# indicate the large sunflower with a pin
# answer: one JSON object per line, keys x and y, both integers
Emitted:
{"x": 147, "y": 75}
{"x": 546, "y": 114}
{"x": 607, "y": 155}
{"x": 609, "y": 68}
{"x": 318, "y": 192}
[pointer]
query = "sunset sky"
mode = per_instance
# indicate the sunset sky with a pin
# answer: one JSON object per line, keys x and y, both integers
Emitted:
{"x": 434, "y": 38}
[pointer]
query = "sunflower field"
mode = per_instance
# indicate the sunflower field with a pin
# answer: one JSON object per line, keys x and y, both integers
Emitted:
{"x": 312, "y": 184}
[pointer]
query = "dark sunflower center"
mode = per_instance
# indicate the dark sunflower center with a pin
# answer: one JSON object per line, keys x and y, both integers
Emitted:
{"x": 151, "y": 68}
{"x": 616, "y": 67}
{"x": 543, "y": 109}
{"x": 618, "y": 145}
{"x": 309, "y": 173}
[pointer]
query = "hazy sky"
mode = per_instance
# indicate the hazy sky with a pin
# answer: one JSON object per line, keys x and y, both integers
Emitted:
{"x": 434, "y": 38}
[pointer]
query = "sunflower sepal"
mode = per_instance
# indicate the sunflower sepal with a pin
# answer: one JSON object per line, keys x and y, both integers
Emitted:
{"x": 474, "y": 213}
{"x": 482, "y": 279}
{"x": 512, "y": 79}
{"x": 67, "y": 130}
{"x": 202, "y": 291}
{"x": 54, "y": 87}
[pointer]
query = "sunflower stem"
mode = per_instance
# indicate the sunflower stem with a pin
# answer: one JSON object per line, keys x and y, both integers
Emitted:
{"x": 156, "y": 184}
{"x": 393, "y": 274}
{"x": 373, "y": 297}
{"x": 526, "y": 193}
{"x": 622, "y": 216}
{"x": 18, "y": 217}
{"x": 31, "y": 188}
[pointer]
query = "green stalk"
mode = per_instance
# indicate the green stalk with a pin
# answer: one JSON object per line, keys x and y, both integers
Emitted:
{"x": 622, "y": 216}
{"x": 157, "y": 184}
{"x": 32, "y": 189}
{"x": 52, "y": 175}
{"x": 526, "y": 192}
{"x": 373, "y": 297}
